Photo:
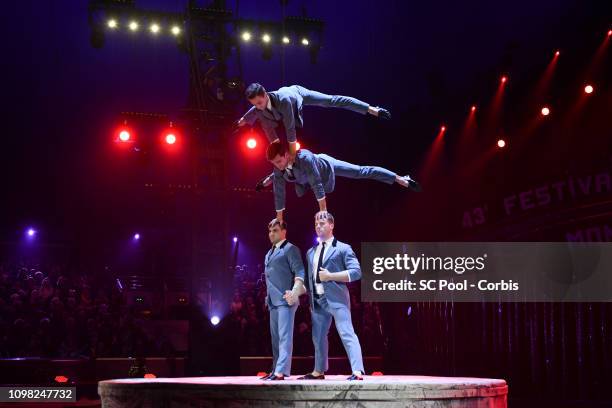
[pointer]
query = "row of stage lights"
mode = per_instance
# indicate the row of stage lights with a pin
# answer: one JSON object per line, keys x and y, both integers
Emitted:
{"x": 155, "y": 28}
{"x": 134, "y": 26}
{"x": 125, "y": 135}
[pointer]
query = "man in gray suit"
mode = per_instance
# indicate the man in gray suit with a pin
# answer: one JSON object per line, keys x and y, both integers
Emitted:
{"x": 319, "y": 171}
{"x": 285, "y": 105}
{"x": 331, "y": 264}
{"x": 284, "y": 271}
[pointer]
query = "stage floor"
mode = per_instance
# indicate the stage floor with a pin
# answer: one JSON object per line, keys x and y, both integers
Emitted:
{"x": 334, "y": 391}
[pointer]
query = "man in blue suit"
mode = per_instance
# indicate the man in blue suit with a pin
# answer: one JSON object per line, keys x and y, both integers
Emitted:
{"x": 331, "y": 264}
{"x": 319, "y": 171}
{"x": 285, "y": 105}
{"x": 284, "y": 271}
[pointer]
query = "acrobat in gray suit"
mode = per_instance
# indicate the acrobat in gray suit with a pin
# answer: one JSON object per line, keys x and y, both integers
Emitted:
{"x": 285, "y": 105}
{"x": 284, "y": 271}
{"x": 331, "y": 264}
{"x": 318, "y": 172}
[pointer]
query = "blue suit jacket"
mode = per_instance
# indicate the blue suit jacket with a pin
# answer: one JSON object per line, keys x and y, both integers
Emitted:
{"x": 281, "y": 268}
{"x": 339, "y": 257}
{"x": 287, "y": 104}
{"x": 310, "y": 170}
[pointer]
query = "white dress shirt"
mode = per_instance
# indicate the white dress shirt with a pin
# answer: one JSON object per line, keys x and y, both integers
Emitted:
{"x": 319, "y": 286}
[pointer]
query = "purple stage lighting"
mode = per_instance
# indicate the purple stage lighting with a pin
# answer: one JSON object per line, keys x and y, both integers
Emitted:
{"x": 235, "y": 239}
{"x": 136, "y": 237}
{"x": 31, "y": 232}
{"x": 215, "y": 320}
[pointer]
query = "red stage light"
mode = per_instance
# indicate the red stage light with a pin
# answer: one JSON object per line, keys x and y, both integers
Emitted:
{"x": 377, "y": 373}
{"x": 443, "y": 129}
{"x": 251, "y": 143}
{"x": 588, "y": 89}
{"x": 298, "y": 146}
{"x": 124, "y": 135}
{"x": 61, "y": 379}
{"x": 610, "y": 33}
{"x": 473, "y": 108}
{"x": 170, "y": 138}
{"x": 504, "y": 79}
{"x": 501, "y": 143}
{"x": 557, "y": 53}
{"x": 545, "y": 111}
{"x": 261, "y": 374}
{"x": 150, "y": 375}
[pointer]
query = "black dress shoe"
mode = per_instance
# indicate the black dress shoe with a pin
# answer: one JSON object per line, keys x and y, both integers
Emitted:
{"x": 383, "y": 114}
{"x": 413, "y": 184}
{"x": 265, "y": 377}
{"x": 275, "y": 377}
{"x": 354, "y": 377}
{"x": 309, "y": 376}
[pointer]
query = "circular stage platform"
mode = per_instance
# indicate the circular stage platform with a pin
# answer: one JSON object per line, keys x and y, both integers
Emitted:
{"x": 334, "y": 391}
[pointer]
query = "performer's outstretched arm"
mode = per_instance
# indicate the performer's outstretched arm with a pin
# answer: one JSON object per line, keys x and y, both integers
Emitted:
{"x": 314, "y": 179}
{"x": 279, "y": 195}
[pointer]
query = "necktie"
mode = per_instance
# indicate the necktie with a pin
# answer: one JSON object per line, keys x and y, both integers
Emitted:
{"x": 320, "y": 263}
{"x": 290, "y": 175}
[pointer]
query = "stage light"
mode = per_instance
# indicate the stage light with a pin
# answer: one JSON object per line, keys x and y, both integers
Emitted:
{"x": 136, "y": 237}
{"x": 504, "y": 79}
{"x": 501, "y": 143}
{"x": 557, "y": 53}
{"x": 442, "y": 129}
{"x": 588, "y": 89}
{"x": 246, "y": 36}
{"x": 610, "y": 33}
{"x": 175, "y": 30}
{"x": 31, "y": 232}
{"x": 261, "y": 373}
{"x": 298, "y": 146}
{"x": 286, "y": 40}
{"x": 112, "y": 23}
{"x": 235, "y": 239}
{"x": 266, "y": 38}
{"x": 154, "y": 28}
{"x": 124, "y": 135}
{"x": 215, "y": 320}
{"x": 377, "y": 374}
{"x": 545, "y": 111}
{"x": 251, "y": 143}
{"x": 305, "y": 41}
{"x": 133, "y": 26}
{"x": 473, "y": 108}
{"x": 170, "y": 138}
{"x": 150, "y": 375}
{"x": 61, "y": 379}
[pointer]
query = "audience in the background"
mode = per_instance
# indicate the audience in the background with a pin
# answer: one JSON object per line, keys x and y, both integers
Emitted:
{"x": 52, "y": 312}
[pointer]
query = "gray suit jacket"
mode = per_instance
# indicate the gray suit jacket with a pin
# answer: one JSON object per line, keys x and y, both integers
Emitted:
{"x": 281, "y": 268}
{"x": 339, "y": 257}
{"x": 287, "y": 104}
{"x": 310, "y": 170}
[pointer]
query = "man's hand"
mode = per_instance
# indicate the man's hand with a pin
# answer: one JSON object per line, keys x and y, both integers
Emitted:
{"x": 321, "y": 215}
{"x": 290, "y": 297}
{"x": 324, "y": 275}
{"x": 279, "y": 216}
{"x": 264, "y": 182}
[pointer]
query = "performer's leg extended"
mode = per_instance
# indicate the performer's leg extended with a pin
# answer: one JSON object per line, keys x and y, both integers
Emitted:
{"x": 332, "y": 101}
{"x": 350, "y": 170}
